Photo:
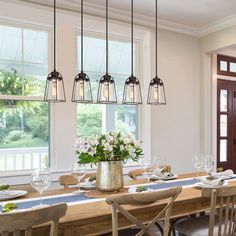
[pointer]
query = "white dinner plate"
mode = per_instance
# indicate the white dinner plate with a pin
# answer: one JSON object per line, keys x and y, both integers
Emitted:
{"x": 156, "y": 177}
{"x": 88, "y": 185}
{"x": 202, "y": 185}
{"x": 10, "y": 194}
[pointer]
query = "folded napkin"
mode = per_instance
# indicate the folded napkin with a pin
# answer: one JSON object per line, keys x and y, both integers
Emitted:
{"x": 213, "y": 182}
{"x": 160, "y": 173}
{"x": 224, "y": 175}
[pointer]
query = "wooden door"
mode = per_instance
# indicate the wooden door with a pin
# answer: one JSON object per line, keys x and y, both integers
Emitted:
{"x": 226, "y": 124}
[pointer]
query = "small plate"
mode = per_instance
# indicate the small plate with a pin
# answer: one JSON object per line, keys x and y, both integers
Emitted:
{"x": 155, "y": 177}
{"x": 133, "y": 190}
{"x": 88, "y": 185}
{"x": 202, "y": 185}
{"x": 10, "y": 194}
{"x": 78, "y": 192}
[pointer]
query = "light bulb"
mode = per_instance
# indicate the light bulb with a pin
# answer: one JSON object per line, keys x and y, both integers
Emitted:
{"x": 156, "y": 93}
{"x": 54, "y": 88}
{"x": 81, "y": 89}
{"x": 131, "y": 92}
{"x": 106, "y": 90}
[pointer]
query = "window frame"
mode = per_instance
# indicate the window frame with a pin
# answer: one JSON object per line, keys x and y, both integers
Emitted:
{"x": 137, "y": 42}
{"x": 35, "y": 27}
{"x": 228, "y": 60}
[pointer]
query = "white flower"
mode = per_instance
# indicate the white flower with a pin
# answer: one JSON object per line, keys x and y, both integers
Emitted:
{"x": 122, "y": 148}
{"x": 92, "y": 151}
{"x": 108, "y": 147}
{"x": 109, "y": 138}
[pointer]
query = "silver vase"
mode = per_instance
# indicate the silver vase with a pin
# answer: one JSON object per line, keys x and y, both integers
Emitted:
{"x": 109, "y": 177}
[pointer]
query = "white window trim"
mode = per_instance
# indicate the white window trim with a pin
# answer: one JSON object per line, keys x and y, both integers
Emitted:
{"x": 63, "y": 131}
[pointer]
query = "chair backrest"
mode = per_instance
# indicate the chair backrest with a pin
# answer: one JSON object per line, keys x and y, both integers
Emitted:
{"x": 134, "y": 173}
{"x": 224, "y": 199}
{"x": 24, "y": 220}
{"x": 144, "y": 198}
{"x": 67, "y": 180}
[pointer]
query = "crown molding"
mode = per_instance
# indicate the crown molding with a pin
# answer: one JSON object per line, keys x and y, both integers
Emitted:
{"x": 217, "y": 26}
{"x": 141, "y": 20}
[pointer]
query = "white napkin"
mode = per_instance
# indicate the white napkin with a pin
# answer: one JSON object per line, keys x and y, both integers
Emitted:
{"x": 213, "y": 182}
{"x": 158, "y": 172}
{"x": 222, "y": 175}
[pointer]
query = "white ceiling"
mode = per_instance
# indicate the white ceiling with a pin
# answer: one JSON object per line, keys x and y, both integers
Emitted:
{"x": 194, "y": 13}
{"x": 195, "y": 17}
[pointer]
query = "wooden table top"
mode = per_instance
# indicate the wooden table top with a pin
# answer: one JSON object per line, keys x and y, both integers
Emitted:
{"x": 95, "y": 217}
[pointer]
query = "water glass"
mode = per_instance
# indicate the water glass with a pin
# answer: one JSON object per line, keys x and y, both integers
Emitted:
{"x": 198, "y": 162}
{"x": 208, "y": 163}
{"x": 40, "y": 180}
{"x": 148, "y": 169}
{"x": 78, "y": 171}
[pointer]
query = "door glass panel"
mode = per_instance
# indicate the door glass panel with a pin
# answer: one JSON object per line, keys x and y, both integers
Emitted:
{"x": 223, "y": 125}
{"x": 223, "y": 150}
{"x": 232, "y": 67}
{"x": 223, "y": 100}
{"x": 223, "y": 65}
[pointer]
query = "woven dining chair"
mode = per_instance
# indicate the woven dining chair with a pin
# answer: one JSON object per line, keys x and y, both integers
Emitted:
{"x": 133, "y": 174}
{"x": 221, "y": 219}
{"x": 67, "y": 180}
{"x": 25, "y": 220}
{"x": 145, "y": 198}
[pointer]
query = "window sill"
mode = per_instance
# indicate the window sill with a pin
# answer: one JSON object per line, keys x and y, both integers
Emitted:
{"x": 23, "y": 177}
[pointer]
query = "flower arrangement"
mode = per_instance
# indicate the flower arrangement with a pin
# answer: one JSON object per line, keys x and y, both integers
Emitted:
{"x": 112, "y": 146}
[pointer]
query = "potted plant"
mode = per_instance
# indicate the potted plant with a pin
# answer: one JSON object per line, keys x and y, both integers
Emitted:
{"x": 108, "y": 152}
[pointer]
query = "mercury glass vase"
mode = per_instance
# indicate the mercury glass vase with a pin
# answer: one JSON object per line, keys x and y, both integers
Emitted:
{"x": 109, "y": 176}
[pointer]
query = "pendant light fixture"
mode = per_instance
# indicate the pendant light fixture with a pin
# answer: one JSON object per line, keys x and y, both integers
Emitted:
{"x": 106, "y": 88}
{"x": 132, "y": 91}
{"x": 82, "y": 92}
{"x": 54, "y": 90}
{"x": 156, "y": 91}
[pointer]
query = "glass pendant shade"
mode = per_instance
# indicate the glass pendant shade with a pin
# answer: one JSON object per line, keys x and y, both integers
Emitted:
{"x": 156, "y": 92}
{"x": 132, "y": 91}
{"x": 82, "y": 92}
{"x": 106, "y": 90}
{"x": 54, "y": 91}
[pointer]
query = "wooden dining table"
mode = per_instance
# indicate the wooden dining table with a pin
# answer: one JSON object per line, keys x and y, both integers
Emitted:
{"x": 94, "y": 218}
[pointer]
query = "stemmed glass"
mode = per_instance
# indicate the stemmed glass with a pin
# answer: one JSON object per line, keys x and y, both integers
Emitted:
{"x": 78, "y": 171}
{"x": 148, "y": 169}
{"x": 208, "y": 163}
{"x": 198, "y": 163}
{"x": 40, "y": 180}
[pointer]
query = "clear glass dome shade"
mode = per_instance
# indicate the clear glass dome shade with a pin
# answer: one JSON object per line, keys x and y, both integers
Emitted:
{"x": 106, "y": 90}
{"x": 132, "y": 91}
{"x": 54, "y": 91}
{"x": 82, "y": 92}
{"x": 156, "y": 92}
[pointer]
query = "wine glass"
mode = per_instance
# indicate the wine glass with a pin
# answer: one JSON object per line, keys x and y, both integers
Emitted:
{"x": 208, "y": 163}
{"x": 148, "y": 169}
{"x": 40, "y": 180}
{"x": 198, "y": 163}
{"x": 78, "y": 171}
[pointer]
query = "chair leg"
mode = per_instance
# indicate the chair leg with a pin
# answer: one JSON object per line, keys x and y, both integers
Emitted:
{"x": 159, "y": 228}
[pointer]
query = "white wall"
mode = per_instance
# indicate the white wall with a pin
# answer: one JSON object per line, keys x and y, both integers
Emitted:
{"x": 175, "y": 127}
{"x": 173, "y": 130}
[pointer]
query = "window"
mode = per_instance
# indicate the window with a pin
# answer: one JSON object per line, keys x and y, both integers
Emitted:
{"x": 23, "y": 118}
{"x": 93, "y": 119}
{"x": 226, "y": 65}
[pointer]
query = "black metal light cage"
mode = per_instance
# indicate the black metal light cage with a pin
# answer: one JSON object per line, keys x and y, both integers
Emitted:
{"x": 132, "y": 80}
{"x": 111, "y": 83}
{"x": 82, "y": 77}
{"x": 107, "y": 78}
{"x": 55, "y": 77}
{"x": 156, "y": 81}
